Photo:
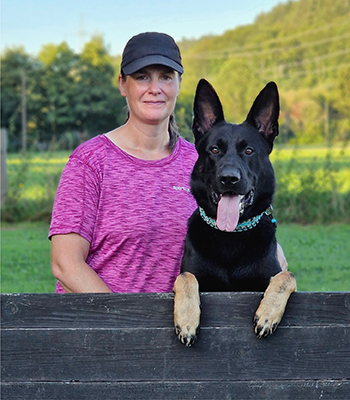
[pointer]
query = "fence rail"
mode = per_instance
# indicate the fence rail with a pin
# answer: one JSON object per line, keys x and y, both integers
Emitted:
{"x": 122, "y": 346}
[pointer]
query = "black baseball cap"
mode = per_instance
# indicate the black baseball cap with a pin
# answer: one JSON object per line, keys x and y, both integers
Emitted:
{"x": 151, "y": 48}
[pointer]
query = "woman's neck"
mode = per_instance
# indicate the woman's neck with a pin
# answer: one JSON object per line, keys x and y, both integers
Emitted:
{"x": 147, "y": 142}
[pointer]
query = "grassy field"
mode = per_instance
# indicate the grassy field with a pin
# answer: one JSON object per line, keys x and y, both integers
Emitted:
{"x": 25, "y": 259}
{"x": 318, "y": 255}
{"x": 313, "y": 190}
{"x": 313, "y": 184}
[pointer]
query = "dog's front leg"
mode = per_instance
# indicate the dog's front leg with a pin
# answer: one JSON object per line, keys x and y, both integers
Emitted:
{"x": 186, "y": 308}
{"x": 273, "y": 304}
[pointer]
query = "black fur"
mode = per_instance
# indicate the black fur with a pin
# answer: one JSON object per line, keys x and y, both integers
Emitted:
{"x": 233, "y": 159}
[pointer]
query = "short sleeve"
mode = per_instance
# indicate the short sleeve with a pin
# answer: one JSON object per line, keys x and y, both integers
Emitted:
{"x": 76, "y": 202}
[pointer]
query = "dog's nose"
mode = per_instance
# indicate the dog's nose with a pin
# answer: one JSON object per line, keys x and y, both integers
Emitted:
{"x": 230, "y": 177}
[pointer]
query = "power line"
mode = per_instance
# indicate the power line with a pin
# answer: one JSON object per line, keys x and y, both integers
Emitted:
{"x": 224, "y": 53}
{"x": 310, "y": 60}
{"x": 284, "y": 38}
{"x": 315, "y": 71}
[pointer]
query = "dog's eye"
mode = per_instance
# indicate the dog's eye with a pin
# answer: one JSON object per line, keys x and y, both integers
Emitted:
{"x": 249, "y": 151}
{"x": 214, "y": 150}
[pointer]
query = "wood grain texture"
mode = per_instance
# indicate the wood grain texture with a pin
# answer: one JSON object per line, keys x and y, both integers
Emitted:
{"x": 123, "y": 346}
{"x": 213, "y": 390}
{"x": 156, "y": 310}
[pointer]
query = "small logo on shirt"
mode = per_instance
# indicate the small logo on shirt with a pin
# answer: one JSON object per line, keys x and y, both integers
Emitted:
{"x": 182, "y": 188}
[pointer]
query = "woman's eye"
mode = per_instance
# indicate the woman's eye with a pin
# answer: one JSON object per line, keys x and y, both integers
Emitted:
{"x": 167, "y": 78}
{"x": 214, "y": 150}
{"x": 249, "y": 151}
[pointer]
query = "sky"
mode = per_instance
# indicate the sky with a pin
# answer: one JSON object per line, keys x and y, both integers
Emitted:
{"x": 33, "y": 23}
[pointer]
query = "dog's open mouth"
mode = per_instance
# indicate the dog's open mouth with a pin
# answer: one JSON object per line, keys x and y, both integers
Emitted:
{"x": 230, "y": 207}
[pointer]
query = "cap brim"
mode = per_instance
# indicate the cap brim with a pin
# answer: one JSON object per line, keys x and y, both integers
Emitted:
{"x": 151, "y": 60}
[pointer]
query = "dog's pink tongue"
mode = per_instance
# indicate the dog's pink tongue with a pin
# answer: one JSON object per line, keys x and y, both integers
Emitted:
{"x": 228, "y": 213}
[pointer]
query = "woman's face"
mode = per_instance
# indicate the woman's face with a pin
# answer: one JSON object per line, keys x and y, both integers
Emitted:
{"x": 151, "y": 93}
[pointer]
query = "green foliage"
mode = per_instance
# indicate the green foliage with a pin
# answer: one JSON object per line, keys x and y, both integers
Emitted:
{"x": 66, "y": 94}
{"x": 301, "y": 45}
{"x": 317, "y": 255}
{"x": 183, "y": 117}
{"x": 57, "y": 90}
{"x": 98, "y": 105}
{"x": 304, "y": 46}
{"x": 32, "y": 183}
{"x": 313, "y": 184}
{"x": 17, "y": 69}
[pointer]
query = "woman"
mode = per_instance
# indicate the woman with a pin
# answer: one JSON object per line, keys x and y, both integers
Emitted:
{"x": 121, "y": 209}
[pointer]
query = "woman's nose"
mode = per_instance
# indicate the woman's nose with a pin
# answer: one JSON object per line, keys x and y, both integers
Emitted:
{"x": 154, "y": 86}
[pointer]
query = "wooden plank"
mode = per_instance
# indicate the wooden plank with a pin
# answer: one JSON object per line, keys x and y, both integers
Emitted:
{"x": 122, "y": 346}
{"x": 155, "y": 310}
{"x": 257, "y": 390}
{"x": 226, "y": 353}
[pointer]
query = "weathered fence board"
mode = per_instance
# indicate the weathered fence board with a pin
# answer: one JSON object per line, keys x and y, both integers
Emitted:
{"x": 123, "y": 346}
{"x": 268, "y": 390}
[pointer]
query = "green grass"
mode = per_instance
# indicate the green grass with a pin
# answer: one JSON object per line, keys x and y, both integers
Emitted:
{"x": 32, "y": 181}
{"x": 318, "y": 255}
{"x": 25, "y": 259}
{"x": 313, "y": 184}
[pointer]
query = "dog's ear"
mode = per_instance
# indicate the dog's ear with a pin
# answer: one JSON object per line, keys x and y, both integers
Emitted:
{"x": 207, "y": 109}
{"x": 265, "y": 111}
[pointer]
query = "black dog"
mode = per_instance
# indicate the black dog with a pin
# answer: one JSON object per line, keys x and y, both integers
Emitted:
{"x": 231, "y": 243}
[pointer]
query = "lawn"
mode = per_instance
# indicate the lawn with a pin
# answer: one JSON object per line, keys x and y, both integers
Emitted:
{"x": 25, "y": 259}
{"x": 317, "y": 254}
{"x": 312, "y": 206}
{"x": 313, "y": 184}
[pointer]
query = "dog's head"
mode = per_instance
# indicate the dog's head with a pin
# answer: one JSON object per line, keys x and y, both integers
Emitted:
{"x": 233, "y": 177}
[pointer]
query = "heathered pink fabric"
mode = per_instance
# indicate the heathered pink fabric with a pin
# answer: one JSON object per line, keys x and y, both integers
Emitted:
{"x": 133, "y": 212}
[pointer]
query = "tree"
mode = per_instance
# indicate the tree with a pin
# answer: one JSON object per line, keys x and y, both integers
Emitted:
{"x": 99, "y": 107}
{"x": 15, "y": 63}
{"x": 57, "y": 89}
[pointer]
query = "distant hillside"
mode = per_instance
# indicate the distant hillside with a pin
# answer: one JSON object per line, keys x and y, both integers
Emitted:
{"x": 304, "y": 46}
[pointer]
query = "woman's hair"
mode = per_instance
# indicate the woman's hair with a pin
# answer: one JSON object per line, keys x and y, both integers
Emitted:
{"x": 173, "y": 130}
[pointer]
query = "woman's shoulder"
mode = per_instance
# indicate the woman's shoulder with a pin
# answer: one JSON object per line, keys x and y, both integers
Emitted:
{"x": 188, "y": 149}
{"x": 92, "y": 151}
{"x": 187, "y": 146}
{"x": 89, "y": 148}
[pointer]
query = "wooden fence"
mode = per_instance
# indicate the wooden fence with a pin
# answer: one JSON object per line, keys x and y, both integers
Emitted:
{"x": 122, "y": 346}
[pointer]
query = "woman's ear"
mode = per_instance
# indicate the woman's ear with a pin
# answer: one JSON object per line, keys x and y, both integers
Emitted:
{"x": 121, "y": 83}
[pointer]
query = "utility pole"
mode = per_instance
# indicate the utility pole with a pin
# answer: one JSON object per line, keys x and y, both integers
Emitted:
{"x": 24, "y": 112}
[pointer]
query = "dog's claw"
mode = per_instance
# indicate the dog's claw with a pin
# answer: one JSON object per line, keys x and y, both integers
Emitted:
{"x": 186, "y": 338}
{"x": 263, "y": 329}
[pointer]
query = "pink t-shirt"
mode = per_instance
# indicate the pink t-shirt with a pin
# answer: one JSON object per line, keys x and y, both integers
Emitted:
{"x": 133, "y": 212}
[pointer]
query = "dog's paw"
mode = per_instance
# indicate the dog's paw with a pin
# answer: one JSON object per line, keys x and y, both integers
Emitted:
{"x": 186, "y": 308}
{"x": 188, "y": 335}
{"x": 264, "y": 325}
{"x": 273, "y": 304}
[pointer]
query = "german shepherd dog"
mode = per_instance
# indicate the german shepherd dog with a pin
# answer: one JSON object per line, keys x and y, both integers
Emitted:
{"x": 231, "y": 243}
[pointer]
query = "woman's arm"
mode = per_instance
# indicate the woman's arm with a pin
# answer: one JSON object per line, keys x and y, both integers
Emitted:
{"x": 281, "y": 258}
{"x": 68, "y": 255}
